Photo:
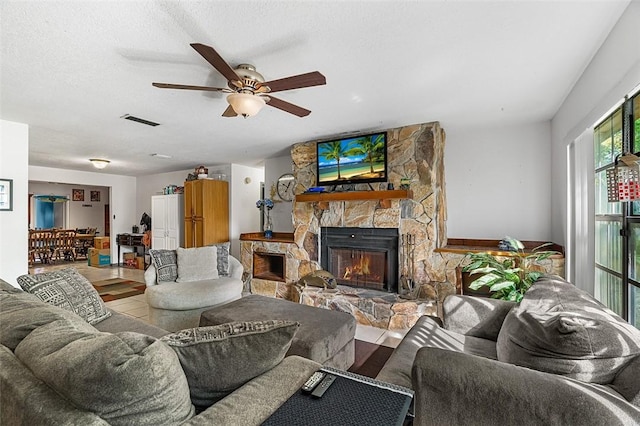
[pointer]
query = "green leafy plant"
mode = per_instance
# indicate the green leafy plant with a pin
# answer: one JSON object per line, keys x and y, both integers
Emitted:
{"x": 508, "y": 277}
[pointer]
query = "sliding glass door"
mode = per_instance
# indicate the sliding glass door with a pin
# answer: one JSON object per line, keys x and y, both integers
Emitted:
{"x": 617, "y": 224}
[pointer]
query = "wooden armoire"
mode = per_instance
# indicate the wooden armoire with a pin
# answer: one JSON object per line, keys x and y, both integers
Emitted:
{"x": 206, "y": 212}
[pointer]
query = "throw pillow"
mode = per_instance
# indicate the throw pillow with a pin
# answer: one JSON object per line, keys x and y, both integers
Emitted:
{"x": 223, "y": 259}
{"x": 166, "y": 263}
{"x": 69, "y": 290}
{"x": 198, "y": 263}
{"x": 560, "y": 329}
{"x": 319, "y": 278}
{"x": 219, "y": 359}
{"x": 125, "y": 378}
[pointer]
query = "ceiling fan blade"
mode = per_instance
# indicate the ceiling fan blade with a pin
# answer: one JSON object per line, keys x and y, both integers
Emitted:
{"x": 288, "y": 107}
{"x": 187, "y": 87}
{"x": 229, "y": 112}
{"x": 296, "y": 82}
{"x": 216, "y": 60}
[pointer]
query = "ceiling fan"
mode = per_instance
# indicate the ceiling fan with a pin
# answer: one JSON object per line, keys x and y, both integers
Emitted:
{"x": 247, "y": 88}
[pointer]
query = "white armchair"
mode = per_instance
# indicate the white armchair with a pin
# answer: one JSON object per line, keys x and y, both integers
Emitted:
{"x": 175, "y": 306}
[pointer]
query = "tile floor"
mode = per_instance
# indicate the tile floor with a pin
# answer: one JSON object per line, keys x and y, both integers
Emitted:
{"x": 136, "y": 306}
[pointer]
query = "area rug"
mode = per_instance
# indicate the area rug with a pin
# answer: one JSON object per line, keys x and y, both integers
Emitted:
{"x": 370, "y": 358}
{"x": 118, "y": 288}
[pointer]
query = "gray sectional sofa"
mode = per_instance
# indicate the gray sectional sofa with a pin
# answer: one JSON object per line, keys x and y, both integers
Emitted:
{"x": 557, "y": 358}
{"x": 57, "y": 369}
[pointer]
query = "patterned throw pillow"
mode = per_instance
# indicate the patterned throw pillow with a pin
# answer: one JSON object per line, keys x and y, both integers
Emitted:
{"x": 231, "y": 354}
{"x": 69, "y": 290}
{"x": 166, "y": 263}
{"x": 223, "y": 259}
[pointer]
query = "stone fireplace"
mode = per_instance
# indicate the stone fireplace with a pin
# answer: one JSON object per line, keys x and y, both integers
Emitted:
{"x": 361, "y": 257}
{"x": 414, "y": 152}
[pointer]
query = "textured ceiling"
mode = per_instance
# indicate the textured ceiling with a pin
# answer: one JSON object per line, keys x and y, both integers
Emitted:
{"x": 71, "y": 69}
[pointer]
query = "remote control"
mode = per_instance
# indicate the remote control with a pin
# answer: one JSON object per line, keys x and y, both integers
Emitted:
{"x": 323, "y": 386}
{"x": 313, "y": 381}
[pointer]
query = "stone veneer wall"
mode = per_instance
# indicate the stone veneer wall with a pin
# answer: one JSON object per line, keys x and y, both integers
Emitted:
{"x": 415, "y": 151}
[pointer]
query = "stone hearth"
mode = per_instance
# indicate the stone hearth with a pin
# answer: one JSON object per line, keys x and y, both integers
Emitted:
{"x": 371, "y": 307}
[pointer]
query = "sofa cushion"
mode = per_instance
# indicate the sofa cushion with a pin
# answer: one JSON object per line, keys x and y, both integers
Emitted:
{"x": 21, "y": 313}
{"x": 626, "y": 382}
{"x": 196, "y": 264}
{"x": 166, "y": 263}
{"x": 5, "y": 287}
{"x": 223, "y": 258}
{"x": 125, "y": 378}
{"x": 560, "y": 329}
{"x": 427, "y": 333}
{"x": 229, "y": 355}
{"x": 475, "y": 316}
{"x": 69, "y": 290}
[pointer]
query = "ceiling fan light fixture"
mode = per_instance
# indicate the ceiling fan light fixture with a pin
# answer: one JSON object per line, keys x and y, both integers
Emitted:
{"x": 99, "y": 163}
{"x": 246, "y": 104}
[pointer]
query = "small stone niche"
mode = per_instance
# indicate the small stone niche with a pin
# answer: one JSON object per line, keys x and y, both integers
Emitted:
{"x": 270, "y": 266}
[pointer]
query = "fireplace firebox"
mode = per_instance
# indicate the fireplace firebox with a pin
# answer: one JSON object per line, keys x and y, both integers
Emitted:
{"x": 361, "y": 257}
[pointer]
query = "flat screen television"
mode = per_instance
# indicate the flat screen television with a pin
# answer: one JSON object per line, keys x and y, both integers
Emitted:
{"x": 356, "y": 159}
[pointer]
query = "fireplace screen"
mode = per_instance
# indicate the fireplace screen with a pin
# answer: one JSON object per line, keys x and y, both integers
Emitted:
{"x": 361, "y": 268}
{"x": 361, "y": 257}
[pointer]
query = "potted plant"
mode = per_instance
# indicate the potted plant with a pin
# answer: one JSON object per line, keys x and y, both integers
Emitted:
{"x": 508, "y": 277}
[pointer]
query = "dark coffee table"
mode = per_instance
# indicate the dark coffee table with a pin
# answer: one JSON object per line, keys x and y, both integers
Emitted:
{"x": 351, "y": 400}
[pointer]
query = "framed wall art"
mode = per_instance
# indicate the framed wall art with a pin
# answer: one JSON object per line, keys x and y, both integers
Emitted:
{"x": 6, "y": 194}
{"x": 95, "y": 195}
{"x": 78, "y": 194}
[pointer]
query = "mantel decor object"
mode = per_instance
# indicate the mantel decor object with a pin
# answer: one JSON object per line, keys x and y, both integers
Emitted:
{"x": 266, "y": 205}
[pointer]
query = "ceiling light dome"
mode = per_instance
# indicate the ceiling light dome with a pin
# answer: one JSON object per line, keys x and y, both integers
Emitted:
{"x": 246, "y": 104}
{"x": 99, "y": 163}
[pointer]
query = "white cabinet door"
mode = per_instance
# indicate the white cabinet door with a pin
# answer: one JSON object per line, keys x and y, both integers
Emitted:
{"x": 167, "y": 221}
{"x": 174, "y": 221}
{"x": 158, "y": 220}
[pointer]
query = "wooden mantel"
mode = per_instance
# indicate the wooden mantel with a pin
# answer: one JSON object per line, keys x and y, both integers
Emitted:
{"x": 278, "y": 237}
{"x": 323, "y": 198}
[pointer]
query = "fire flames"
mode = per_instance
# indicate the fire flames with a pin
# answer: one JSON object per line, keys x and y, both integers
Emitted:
{"x": 359, "y": 268}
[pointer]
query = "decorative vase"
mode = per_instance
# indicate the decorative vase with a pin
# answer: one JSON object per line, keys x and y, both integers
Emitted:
{"x": 268, "y": 227}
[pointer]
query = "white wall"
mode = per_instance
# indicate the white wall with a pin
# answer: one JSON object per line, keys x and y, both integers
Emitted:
{"x": 612, "y": 73}
{"x": 80, "y": 214}
{"x": 498, "y": 181}
{"x": 281, "y": 214}
{"x": 244, "y": 191}
{"x": 14, "y": 159}
{"x": 122, "y": 198}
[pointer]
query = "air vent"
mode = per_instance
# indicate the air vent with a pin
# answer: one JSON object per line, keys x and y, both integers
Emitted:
{"x": 140, "y": 120}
